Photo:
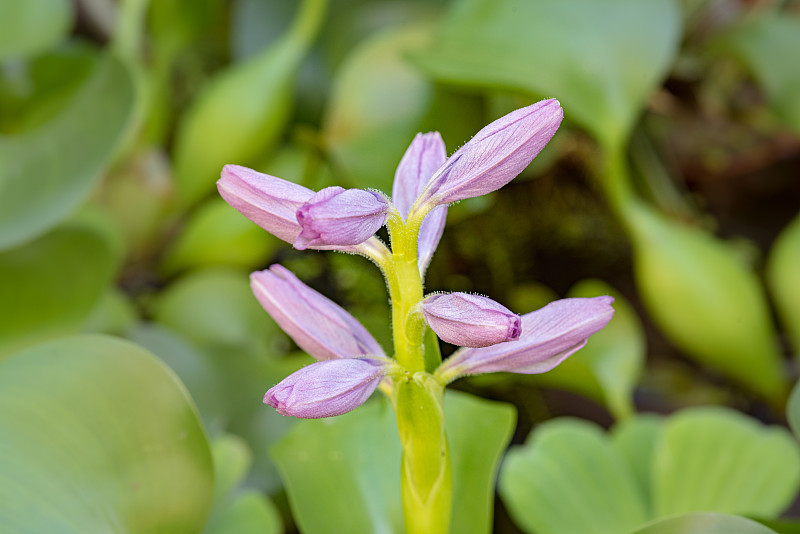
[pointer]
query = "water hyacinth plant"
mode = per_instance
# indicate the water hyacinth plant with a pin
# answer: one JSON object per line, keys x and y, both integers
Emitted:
{"x": 352, "y": 365}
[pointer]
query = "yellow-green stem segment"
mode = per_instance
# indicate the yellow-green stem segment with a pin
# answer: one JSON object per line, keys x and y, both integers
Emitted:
{"x": 418, "y": 397}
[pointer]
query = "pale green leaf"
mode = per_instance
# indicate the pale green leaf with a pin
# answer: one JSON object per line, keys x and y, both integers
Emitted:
{"x": 97, "y": 435}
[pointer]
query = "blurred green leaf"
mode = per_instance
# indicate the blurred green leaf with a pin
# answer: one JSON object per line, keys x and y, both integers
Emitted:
{"x": 377, "y": 104}
{"x": 781, "y": 526}
{"x": 243, "y": 110}
{"x": 478, "y": 432}
{"x": 113, "y": 314}
{"x": 704, "y": 523}
{"x": 609, "y": 366}
{"x": 32, "y": 94}
{"x": 51, "y": 285}
{"x": 323, "y": 464}
{"x": 569, "y": 478}
{"x": 706, "y": 301}
{"x": 191, "y": 366}
{"x": 233, "y": 511}
{"x": 232, "y": 460}
{"x": 97, "y": 435}
{"x": 635, "y": 438}
{"x": 601, "y": 59}
{"x": 46, "y": 173}
{"x": 766, "y": 45}
{"x": 783, "y": 266}
{"x": 716, "y": 459}
{"x": 249, "y": 513}
{"x": 217, "y": 234}
{"x": 33, "y": 26}
{"x": 793, "y": 410}
{"x": 216, "y": 308}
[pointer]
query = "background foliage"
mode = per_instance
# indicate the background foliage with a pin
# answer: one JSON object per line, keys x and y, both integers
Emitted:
{"x": 133, "y": 356}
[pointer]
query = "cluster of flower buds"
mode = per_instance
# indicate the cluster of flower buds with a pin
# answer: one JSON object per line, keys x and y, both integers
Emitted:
{"x": 351, "y": 363}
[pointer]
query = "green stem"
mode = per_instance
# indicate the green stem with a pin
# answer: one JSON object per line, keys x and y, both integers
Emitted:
{"x": 405, "y": 290}
{"x": 426, "y": 472}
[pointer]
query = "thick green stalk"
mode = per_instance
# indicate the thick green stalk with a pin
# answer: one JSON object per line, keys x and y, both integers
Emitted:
{"x": 405, "y": 290}
{"x": 426, "y": 477}
{"x": 417, "y": 396}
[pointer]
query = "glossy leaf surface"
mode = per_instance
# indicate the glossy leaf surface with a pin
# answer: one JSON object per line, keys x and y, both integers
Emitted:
{"x": 47, "y": 172}
{"x": 601, "y": 59}
{"x": 717, "y": 459}
{"x": 32, "y": 27}
{"x": 569, "y": 478}
{"x": 704, "y": 523}
{"x": 50, "y": 286}
{"x": 97, "y": 434}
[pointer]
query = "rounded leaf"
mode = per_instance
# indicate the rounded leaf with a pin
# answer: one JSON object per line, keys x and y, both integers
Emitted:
{"x": 98, "y": 435}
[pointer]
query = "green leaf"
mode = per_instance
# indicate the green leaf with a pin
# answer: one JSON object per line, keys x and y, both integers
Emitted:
{"x": 704, "y": 523}
{"x": 343, "y": 474}
{"x": 706, "y": 301}
{"x": 232, "y": 459}
{"x": 32, "y": 27}
{"x": 569, "y": 478}
{"x": 250, "y": 513}
{"x": 716, "y": 459}
{"x": 793, "y": 410}
{"x": 766, "y": 44}
{"x": 50, "y": 286}
{"x": 98, "y": 435}
{"x": 243, "y": 110}
{"x": 635, "y": 438}
{"x": 601, "y": 59}
{"x": 609, "y": 366}
{"x": 781, "y": 526}
{"x": 191, "y": 366}
{"x": 478, "y": 432}
{"x": 47, "y": 172}
{"x": 783, "y": 265}
{"x": 325, "y": 463}
{"x": 216, "y": 308}
{"x": 377, "y": 104}
{"x": 217, "y": 234}
{"x": 240, "y": 512}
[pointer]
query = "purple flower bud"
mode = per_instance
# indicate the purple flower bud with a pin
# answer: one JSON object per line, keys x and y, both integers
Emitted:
{"x": 328, "y": 388}
{"x": 496, "y": 154}
{"x": 470, "y": 320}
{"x": 318, "y": 325}
{"x": 337, "y": 216}
{"x": 268, "y": 201}
{"x": 423, "y": 157}
{"x": 549, "y": 336}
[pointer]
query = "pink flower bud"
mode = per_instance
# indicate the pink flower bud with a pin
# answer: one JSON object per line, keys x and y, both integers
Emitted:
{"x": 328, "y": 388}
{"x": 549, "y": 336}
{"x": 337, "y": 216}
{"x": 497, "y": 154}
{"x": 470, "y": 320}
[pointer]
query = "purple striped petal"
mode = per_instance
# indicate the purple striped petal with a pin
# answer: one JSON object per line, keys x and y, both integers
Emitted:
{"x": 497, "y": 154}
{"x": 319, "y": 326}
{"x": 549, "y": 336}
{"x": 424, "y": 156}
{"x": 470, "y": 320}
{"x": 329, "y": 388}
{"x": 337, "y": 216}
{"x": 270, "y": 202}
